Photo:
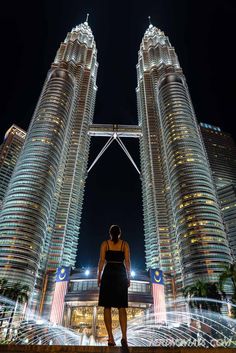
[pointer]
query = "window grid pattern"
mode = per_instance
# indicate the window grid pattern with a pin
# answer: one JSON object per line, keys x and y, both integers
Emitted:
{"x": 183, "y": 227}
{"x": 40, "y": 219}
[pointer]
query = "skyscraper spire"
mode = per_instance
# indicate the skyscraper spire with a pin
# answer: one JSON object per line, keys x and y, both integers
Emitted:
{"x": 87, "y": 18}
{"x": 150, "y": 23}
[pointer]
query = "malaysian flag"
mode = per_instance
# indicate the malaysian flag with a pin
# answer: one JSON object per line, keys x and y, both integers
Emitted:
{"x": 158, "y": 294}
{"x": 62, "y": 280}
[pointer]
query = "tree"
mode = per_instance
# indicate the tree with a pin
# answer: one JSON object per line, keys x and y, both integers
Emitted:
{"x": 3, "y": 286}
{"x": 213, "y": 292}
{"x": 205, "y": 290}
{"x": 196, "y": 290}
{"x": 20, "y": 294}
{"x": 229, "y": 273}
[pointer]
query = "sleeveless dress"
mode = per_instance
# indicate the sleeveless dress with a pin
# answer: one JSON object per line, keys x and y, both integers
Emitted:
{"x": 114, "y": 283}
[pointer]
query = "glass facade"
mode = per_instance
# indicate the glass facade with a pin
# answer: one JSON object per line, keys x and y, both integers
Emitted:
{"x": 221, "y": 152}
{"x": 78, "y": 55}
{"x": 9, "y": 152}
{"x": 227, "y": 196}
{"x": 184, "y": 232}
{"x": 39, "y": 222}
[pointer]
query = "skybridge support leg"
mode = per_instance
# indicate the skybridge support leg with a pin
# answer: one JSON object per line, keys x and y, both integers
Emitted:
{"x": 116, "y": 137}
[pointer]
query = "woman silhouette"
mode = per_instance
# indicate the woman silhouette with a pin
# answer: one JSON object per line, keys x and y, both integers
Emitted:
{"x": 114, "y": 280}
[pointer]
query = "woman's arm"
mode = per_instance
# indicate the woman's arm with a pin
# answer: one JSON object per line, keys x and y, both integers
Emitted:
{"x": 101, "y": 262}
{"x": 127, "y": 261}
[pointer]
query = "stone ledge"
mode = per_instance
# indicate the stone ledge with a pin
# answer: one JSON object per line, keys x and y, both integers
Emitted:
{"x": 103, "y": 349}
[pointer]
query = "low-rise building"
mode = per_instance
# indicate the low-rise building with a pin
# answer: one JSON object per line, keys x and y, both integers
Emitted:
{"x": 81, "y": 311}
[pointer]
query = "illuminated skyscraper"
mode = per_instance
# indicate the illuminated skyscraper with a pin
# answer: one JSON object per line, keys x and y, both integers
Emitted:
{"x": 221, "y": 152}
{"x": 40, "y": 219}
{"x": 39, "y": 224}
{"x": 9, "y": 152}
{"x": 227, "y": 197}
{"x": 184, "y": 232}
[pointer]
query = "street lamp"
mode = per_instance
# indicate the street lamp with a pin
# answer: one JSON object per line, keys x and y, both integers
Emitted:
{"x": 133, "y": 273}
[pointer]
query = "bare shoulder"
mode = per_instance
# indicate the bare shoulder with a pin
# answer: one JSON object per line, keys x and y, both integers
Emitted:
{"x": 103, "y": 248}
{"x": 126, "y": 244}
{"x": 104, "y": 244}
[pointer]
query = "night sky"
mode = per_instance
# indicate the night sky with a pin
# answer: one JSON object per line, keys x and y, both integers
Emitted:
{"x": 203, "y": 34}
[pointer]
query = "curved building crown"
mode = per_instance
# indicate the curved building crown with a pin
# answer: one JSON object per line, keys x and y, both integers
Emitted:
{"x": 79, "y": 47}
{"x": 82, "y": 33}
{"x": 153, "y": 37}
{"x": 156, "y": 34}
{"x": 155, "y": 51}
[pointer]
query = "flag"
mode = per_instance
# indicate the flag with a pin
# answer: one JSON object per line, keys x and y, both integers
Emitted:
{"x": 62, "y": 280}
{"x": 158, "y": 293}
{"x": 63, "y": 274}
{"x": 157, "y": 276}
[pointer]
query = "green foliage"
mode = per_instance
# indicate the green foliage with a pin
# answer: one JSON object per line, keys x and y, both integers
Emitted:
{"x": 3, "y": 285}
{"x": 17, "y": 292}
{"x": 229, "y": 273}
{"x": 205, "y": 290}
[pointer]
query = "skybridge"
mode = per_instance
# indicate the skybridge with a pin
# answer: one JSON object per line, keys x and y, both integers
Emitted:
{"x": 115, "y": 132}
{"x": 109, "y": 130}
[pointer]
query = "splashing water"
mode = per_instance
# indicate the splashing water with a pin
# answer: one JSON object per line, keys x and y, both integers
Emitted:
{"x": 190, "y": 328}
{"x": 183, "y": 328}
{"x": 19, "y": 326}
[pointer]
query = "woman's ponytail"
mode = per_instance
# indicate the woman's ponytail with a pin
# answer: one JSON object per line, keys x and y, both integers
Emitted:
{"x": 114, "y": 233}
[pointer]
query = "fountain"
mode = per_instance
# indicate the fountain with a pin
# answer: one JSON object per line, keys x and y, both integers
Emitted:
{"x": 19, "y": 326}
{"x": 190, "y": 328}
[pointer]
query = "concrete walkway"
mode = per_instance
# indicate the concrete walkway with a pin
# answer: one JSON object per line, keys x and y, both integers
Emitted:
{"x": 102, "y": 349}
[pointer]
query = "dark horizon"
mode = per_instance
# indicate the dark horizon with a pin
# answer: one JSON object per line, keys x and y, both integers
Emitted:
{"x": 202, "y": 34}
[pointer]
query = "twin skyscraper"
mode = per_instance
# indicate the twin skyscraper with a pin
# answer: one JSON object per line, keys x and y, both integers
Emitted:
{"x": 41, "y": 213}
